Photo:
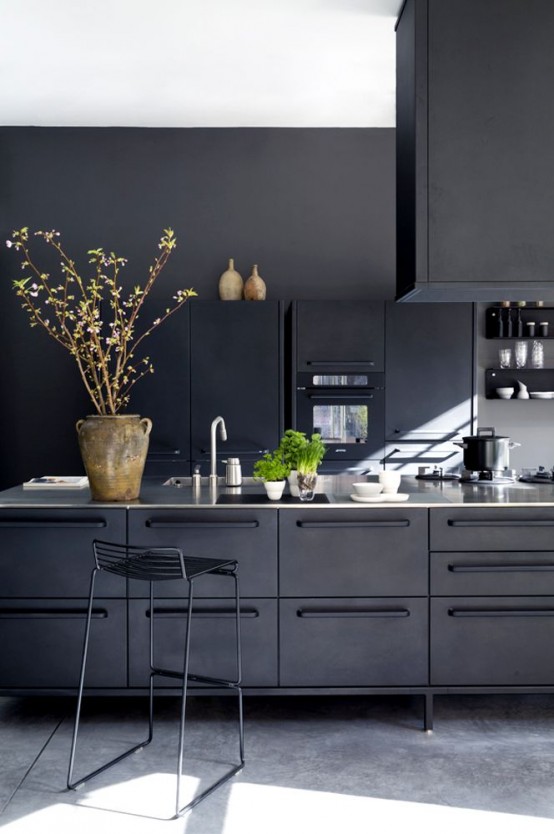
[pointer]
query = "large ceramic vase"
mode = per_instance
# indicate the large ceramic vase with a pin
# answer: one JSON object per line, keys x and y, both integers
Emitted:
{"x": 114, "y": 450}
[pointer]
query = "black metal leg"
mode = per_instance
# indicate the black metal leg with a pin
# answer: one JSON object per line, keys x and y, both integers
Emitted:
{"x": 428, "y": 712}
{"x": 232, "y": 684}
{"x": 74, "y": 785}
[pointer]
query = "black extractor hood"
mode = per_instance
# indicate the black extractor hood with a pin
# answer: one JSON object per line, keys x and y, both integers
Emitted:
{"x": 475, "y": 150}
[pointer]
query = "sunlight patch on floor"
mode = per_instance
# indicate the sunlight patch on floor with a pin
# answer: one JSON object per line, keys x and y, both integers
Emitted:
{"x": 274, "y": 810}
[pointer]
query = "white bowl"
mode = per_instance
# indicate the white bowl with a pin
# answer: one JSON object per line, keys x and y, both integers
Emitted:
{"x": 505, "y": 393}
{"x": 367, "y": 488}
{"x": 541, "y": 395}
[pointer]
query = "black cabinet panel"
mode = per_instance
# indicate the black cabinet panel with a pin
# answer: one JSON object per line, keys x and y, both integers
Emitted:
{"x": 249, "y": 536}
{"x": 502, "y": 528}
{"x": 48, "y": 553}
{"x": 354, "y": 642}
{"x": 492, "y": 641}
{"x": 475, "y": 168}
{"x": 212, "y": 639}
{"x": 492, "y": 573}
{"x": 164, "y": 397}
{"x": 42, "y": 643}
{"x": 347, "y": 335}
{"x": 429, "y": 383}
{"x": 353, "y": 552}
{"x": 236, "y": 373}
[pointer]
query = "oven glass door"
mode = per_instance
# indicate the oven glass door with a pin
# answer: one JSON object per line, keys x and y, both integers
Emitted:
{"x": 350, "y": 419}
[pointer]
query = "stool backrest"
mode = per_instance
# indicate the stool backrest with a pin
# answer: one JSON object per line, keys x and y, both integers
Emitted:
{"x": 151, "y": 564}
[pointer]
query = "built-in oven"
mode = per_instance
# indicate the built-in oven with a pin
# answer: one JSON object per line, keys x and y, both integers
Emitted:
{"x": 347, "y": 408}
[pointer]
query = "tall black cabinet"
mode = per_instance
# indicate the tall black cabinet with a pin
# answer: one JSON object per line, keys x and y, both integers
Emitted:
{"x": 430, "y": 384}
{"x": 236, "y": 372}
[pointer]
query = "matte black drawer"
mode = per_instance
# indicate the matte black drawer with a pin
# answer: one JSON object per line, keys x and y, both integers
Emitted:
{"x": 212, "y": 640}
{"x": 367, "y": 552}
{"x": 495, "y": 529}
{"x": 42, "y": 643}
{"x": 492, "y": 573}
{"x": 492, "y": 640}
{"x": 249, "y": 536}
{"x": 353, "y": 642}
{"x": 48, "y": 553}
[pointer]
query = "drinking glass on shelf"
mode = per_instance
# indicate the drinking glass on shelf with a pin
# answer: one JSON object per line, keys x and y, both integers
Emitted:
{"x": 505, "y": 357}
{"x": 520, "y": 353}
{"x": 537, "y": 355}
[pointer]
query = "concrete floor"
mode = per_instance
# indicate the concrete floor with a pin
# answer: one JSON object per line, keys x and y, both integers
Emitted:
{"x": 329, "y": 764}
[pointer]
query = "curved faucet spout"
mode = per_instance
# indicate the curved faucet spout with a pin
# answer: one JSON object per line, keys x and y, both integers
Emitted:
{"x": 217, "y": 421}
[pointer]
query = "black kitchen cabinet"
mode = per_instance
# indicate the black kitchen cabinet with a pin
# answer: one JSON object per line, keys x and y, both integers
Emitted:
{"x": 492, "y": 603}
{"x": 350, "y": 553}
{"x": 475, "y": 171}
{"x": 353, "y": 598}
{"x": 430, "y": 383}
{"x": 236, "y": 372}
{"x": 212, "y": 639}
{"x": 46, "y": 561}
{"x": 164, "y": 397}
{"x": 341, "y": 335}
{"x": 249, "y": 536}
{"x": 353, "y": 642}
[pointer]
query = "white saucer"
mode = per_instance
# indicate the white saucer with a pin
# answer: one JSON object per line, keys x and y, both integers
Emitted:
{"x": 381, "y": 499}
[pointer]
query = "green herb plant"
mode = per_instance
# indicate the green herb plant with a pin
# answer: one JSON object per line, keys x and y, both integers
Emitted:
{"x": 93, "y": 318}
{"x": 290, "y": 446}
{"x": 310, "y": 455}
{"x": 271, "y": 467}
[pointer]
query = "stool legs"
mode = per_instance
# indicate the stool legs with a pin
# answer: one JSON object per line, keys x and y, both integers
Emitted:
{"x": 76, "y": 784}
{"x": 185, "y": 676}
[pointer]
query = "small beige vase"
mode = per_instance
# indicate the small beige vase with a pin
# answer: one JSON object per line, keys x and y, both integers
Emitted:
{"x": 254, "y": 287}
{"x": 231, "y": 284}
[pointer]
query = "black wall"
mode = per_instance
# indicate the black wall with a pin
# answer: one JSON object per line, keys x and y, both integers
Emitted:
{"x": 314, "y": 208}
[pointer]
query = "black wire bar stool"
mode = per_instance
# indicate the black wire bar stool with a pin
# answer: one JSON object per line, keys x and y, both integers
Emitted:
{"x": 162, "y": 564}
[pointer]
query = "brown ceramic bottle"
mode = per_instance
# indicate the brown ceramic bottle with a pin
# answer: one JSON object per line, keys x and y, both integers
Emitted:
{"x": 254, "y": 287}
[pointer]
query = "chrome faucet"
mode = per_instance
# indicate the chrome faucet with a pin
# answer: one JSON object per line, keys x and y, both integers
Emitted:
{"x": 213, "y": 459}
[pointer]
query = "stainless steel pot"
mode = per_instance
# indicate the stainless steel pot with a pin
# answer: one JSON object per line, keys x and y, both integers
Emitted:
{"x": 486, "y": 451}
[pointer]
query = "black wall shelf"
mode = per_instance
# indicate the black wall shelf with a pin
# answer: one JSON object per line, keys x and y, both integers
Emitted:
{"x": 502, "y": 322}
{"x": 536, "y": 379}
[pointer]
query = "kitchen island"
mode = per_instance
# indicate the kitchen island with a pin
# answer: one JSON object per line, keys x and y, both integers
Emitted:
{"x": 448, "y": 592}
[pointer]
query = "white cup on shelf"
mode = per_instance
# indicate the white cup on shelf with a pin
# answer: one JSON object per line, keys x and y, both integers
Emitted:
{"x": 389, "y": 480}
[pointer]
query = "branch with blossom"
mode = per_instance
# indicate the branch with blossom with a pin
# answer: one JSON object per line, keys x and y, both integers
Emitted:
{"x": 73, "y": 311}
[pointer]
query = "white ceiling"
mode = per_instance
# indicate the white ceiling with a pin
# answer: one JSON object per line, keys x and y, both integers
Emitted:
{"x": 198, "y": 63}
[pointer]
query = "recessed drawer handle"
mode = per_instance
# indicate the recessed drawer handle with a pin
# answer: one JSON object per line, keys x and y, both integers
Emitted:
{"x": 499, "y": 568}
{"x": 351, "y": 612}
{"x": 496, "y": 523}
{"x": 50, "y": 613}
{"x": 315, "y": 525}
{"x": 328, "y": 397}
{"x": 201, "y": 525}
{"x": 501, "y": 612}
{"x": 355, "y": 362}
{"x": 217, "y": 613}
{"x": 44, "y": 522}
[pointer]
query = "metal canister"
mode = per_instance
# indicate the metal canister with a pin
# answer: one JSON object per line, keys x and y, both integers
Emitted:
{"x": 233, "y": 473}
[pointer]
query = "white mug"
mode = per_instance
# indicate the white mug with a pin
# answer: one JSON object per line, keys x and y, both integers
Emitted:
{"x": 390, "y": 481}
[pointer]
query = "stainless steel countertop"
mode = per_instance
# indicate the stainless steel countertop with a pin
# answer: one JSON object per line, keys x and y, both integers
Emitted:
{"x": 337, "y": 488}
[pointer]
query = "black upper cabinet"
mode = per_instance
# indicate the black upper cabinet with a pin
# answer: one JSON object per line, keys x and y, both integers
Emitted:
{"x": 342, "y": 335}
{"x": 475, "y": 169}
{"x": 236, "y": 372}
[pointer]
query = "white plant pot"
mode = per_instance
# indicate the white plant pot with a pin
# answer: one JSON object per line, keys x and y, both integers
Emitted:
{"x": 293, "y": 483}
{"x": 274, "y": 489}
